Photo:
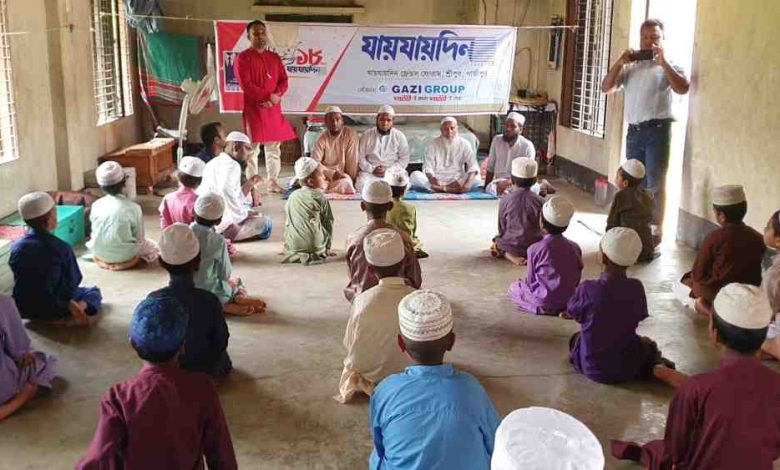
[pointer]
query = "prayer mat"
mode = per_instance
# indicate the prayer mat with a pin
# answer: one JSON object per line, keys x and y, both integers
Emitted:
{"x": 414, "y": 196}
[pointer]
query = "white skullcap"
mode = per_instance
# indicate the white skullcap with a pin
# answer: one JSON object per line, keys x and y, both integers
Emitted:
{"x": 192, "y": 166}
{"x": 178, "y": 244}
{"x": 384, "y": 247}
{"x": 728, "y": 195}
{"x": 33, "y": 205}
{"x": 236, "y": 136}
{"x": 397, "y": 177}
{"x": 333, "y": 109}
{"x": 209, "y": 206}
{"x": 109, "y": 173}
{"x": 448, "y": 119}
{"x": 517, "y": 117}
{"x": 424, "y": 315}
{"x": 304, "y": 167}
{"x": 621, "y": 245}
{"x": 634, "y": 168}
{"x": 523, "y": 167}
{"x": 558, "y": 211}
{"x": 386, "y": 109}
{"x": 377, "y": 192}
{"x": 538, "y": 437}
{"x": 743, "y": 306}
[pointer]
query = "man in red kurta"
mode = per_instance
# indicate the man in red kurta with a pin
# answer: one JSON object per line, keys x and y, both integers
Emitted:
{"x": 263, "y": 79}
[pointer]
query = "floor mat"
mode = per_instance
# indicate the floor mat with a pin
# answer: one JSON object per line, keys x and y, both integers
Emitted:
{"x": 414, "y": 196}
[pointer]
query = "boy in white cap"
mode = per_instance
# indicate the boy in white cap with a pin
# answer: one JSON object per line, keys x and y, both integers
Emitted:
{"x": 729, "y": 254}
{"x": 163, "y": 413}
{"x": 545, "y": 438}
{"x": 770, "y": 284}
{"x": 633, "y": 206}
{"x": 609, "y": 309}
{"x": 431, "y": 416}
{"x": 223, "y": 175}
{"x": 381, "y": 148}
{"x": 450, "y": 164}
{"x": 403, "y": 215}
{"x": 504, "y": 149}
{"x": 372, "y": 329}
{"x": 118, "y": 241}
{"x": 729, "y": 417}
{"x": 46, "y": 274}
{"x": 518, "y": 215}
{"x": 377, "y": 201}
{"x": 214, "y": 273}
{"x": 554, "y": 264}
{"x": 308, "y": 227}
{"x": 336, "y": 150}
{"x": 179, "y": 206}
{"x": 207, "y": 333}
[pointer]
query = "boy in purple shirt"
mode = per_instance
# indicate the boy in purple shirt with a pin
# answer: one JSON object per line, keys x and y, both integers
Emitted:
{"x": 554, "y": 264}
{"x": 730, "y": 417}
{"x": 607, "y": 348}
{"x": 518, "y": 215}
{"x": 164, "y": 417}
{"x": 179, "y": 206}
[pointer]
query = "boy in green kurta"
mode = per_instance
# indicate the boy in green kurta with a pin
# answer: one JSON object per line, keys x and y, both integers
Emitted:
{"x": 308, "y": 228}
{"x": 403, "y": 215}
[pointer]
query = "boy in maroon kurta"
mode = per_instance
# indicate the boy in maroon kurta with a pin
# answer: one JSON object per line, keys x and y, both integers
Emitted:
{"x": 728, "y": 418}
{"x": 263, "y": 79}
{"x": 164, "y": 417}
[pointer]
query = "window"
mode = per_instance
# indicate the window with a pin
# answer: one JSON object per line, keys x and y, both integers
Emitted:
{"x": 111, "y": 61}
{"x": 9, "y": 148}
{"x": 584, "y": 106}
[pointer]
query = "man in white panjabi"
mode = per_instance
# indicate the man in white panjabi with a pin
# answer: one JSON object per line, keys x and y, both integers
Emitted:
{"x": 450, "y": 164}
{"x": 222, "y": 176}
{"x": 503, "y": 149}
{"x": 372, "y": 329}
{"x": 381, "y": 148}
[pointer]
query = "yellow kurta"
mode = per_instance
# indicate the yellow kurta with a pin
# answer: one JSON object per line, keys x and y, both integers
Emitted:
{"x": 404, "y": 216}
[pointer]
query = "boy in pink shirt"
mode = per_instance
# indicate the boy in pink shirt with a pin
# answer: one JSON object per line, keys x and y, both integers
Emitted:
{"x": 179, "y": 206}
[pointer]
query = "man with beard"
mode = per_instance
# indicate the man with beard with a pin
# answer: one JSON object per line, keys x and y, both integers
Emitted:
{"x": 450, "y": 163}
{"x": 505, "y": 148}
{"x": 381, "y": 148}
{"x": 336, "y": 151}
{"x": 223, "y": 176}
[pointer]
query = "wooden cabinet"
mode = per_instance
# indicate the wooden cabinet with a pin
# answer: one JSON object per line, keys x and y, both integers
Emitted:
{"x": 153, "y": 161}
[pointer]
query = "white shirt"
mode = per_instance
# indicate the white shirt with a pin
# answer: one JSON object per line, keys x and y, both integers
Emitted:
{"x": 502, "y": 154}
{"x": 453, "y": 164}
{"x": 649, "y": 94}
{"x": 391, "y": 150}
{"x": 222, "y": 175}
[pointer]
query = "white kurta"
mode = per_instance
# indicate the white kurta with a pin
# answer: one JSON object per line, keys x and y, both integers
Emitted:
{"x": 450, "y": 164}
{"x": 502, "y": 154}
{"x": 390, "y": 151}
{"x": 370, "y": 338}
{"x": 222, "y": 175}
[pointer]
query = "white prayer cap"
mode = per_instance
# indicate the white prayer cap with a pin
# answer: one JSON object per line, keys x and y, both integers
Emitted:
{"x": 236, "y": 136}
{"x": 558, "y": 211}
{"x": 333, "y": 109}
{"x": 209, "y": 206}
{"x": 109, "y": 173}
{"x": 377, "y": 192}
{"x": 304, "y": 167}
{"x": 448, "y": 119}
{"x": 743, "y": 306}
{"x": 424, "y": 315}
{"x": 622, "y": 245}
{"x": 523, "y": 167}
{"x": 397, "y": 177}
{"x": 539, "y": 437}
{"x": 386, "y": 109}
{"x": 178, "y": 244}
{"x": 33, "y": 205}
{"x": 634, "y": 168}
{"x": 192, "y": 166}
{"x": 517, "y": 117}
{"x": 728, "y": 195}
{"x": 384, "y": 247}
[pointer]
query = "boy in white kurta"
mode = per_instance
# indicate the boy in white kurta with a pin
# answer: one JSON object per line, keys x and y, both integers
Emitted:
{"x": 372, "y": 329}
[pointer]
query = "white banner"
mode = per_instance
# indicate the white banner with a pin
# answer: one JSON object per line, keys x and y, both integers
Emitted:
{"x": 420, "y": 70}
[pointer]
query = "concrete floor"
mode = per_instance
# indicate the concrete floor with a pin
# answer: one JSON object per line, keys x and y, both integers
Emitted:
{"x": 278, "y": 402}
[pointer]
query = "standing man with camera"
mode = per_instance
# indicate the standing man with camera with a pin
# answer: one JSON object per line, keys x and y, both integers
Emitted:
{"x": 649, "y": 80}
